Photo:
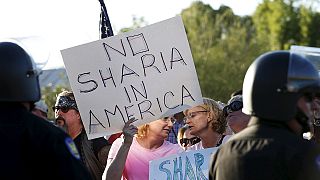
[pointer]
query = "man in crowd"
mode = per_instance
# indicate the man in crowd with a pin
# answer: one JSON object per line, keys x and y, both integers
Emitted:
{"x": 236, "y": 119}
{"x": 278, "y": 91}
{"x": 172, "y": 137}
{"x": 40, "y": 109}
{"x": 93, "y": 153}
{"x": 31, "y": 148}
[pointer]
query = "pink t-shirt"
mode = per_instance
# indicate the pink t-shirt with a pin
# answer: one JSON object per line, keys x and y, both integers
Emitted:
{"x": 137, "y": 163}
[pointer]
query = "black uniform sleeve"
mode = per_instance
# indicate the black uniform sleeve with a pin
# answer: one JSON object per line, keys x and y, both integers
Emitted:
{"x": 61, "y": 154}
{"x": 67, "y": 160}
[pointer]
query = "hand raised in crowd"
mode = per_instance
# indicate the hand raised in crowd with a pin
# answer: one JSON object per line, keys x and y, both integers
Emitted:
{"x": 129, "y": 130}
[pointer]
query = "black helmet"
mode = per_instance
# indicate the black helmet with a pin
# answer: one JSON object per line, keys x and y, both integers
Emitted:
{"x": 18, "y": 78}
{"x": 274, "y": 82}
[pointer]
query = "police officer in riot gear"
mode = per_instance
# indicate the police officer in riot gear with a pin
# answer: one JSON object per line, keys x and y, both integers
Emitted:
{"x": 278, "y": 91}
{"x": 31, "y": 147}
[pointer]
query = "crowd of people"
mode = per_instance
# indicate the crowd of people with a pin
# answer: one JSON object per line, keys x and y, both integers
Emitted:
{"x": 258, "y": 132}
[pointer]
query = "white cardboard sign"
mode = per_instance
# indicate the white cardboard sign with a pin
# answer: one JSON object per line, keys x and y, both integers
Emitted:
{"x": 147, "y": 74}
{"x": 188, "y": 165}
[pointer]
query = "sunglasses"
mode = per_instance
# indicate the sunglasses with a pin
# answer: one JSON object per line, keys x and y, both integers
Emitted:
{"x": 192, "y": 141}
{"x": 234, "y": 106}
{"x": 64, "y": 109}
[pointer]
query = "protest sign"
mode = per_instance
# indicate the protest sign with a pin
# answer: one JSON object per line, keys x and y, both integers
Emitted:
{"x": 188, "y": 165}
{"x": 147, "y": 73}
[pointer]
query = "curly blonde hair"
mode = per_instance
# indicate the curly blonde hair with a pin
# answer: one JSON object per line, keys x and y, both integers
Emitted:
{"x": 143, "y": 131}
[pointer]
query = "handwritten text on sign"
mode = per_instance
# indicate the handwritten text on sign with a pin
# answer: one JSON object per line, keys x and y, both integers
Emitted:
{"x": 147, "y": 74}
{"x": 188, "y": 165}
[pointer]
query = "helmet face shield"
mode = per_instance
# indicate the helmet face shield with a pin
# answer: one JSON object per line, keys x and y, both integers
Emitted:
{"x": 31, "y": 46}
{"x": 277, "y": 80}
{"x": 310, "y": 53}
{"x": 303, "y": 70}
{"x": 36, "y": 48}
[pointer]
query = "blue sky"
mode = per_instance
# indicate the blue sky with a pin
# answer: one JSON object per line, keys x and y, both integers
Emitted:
{"x": 59, "y": 24}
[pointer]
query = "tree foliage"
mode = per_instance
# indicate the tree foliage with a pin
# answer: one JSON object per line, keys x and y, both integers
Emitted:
{"x": 283, "y": 23}
{"x": 224, "y": 45}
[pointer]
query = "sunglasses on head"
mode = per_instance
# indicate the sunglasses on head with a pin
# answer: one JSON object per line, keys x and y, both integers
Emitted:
{"x": 64, "y": 109}
{"x": 234, "y": 106}
{"x": 192, "y": 141}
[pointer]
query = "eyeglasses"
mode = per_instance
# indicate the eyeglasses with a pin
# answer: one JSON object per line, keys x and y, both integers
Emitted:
{"x": 64, "y": 109}
{"x": 192, "y": 115}
{"x": 234, "y": 106}
{"x": 167, "y": 119}
{"x": 192, "y": 141}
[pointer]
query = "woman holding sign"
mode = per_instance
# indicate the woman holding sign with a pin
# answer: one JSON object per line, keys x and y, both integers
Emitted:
{"x": 129, "y": 155}
{"x": 207, "y": 122}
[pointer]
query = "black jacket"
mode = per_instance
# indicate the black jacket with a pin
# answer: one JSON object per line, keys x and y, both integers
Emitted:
{"x": 90, "y": 154}
{"x": 32, "y": 148}
{"x": 267, "y": 151}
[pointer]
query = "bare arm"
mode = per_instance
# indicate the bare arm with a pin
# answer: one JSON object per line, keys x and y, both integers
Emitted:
{"x": 117, "y": 164}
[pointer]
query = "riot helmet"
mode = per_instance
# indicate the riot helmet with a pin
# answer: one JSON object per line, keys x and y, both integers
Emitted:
{"x": 18, "y": 76}
{"x": 274, "y": 83}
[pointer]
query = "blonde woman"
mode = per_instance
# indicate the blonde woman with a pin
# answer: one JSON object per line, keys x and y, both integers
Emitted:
{"x": 207, "y": 122}
{"x": 129, "y": 155}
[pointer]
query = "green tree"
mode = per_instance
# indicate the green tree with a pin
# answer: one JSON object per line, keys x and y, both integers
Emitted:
{"x": 275, "y": 20}
{"x": 282, "y": 23}
{"x": 223, "y": 46}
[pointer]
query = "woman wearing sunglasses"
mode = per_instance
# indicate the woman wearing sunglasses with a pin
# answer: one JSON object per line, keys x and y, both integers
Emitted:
{"x": 185, "y": 139}
{"x": 207, "y": 122}
{"x": 129, "y": 155}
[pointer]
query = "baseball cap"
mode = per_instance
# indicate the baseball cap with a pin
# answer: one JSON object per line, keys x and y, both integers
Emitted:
{"x": 41, "y": 105}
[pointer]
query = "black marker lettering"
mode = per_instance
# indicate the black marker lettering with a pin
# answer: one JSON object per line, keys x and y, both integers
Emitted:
{"x": 126, "y": 108}
{"x": 95, "y": 84}
{"x": 185, "y": 96}
{"x": 129, "y": 72}
{"x": 164, "y": 64}
{"x": 90, "y": 122}
{"x": 159, "y": 105}
{"x": 143, "y": 94}
{"x": 129, "y": 99}
{"x": 149, "y": 104}
{"x": 107, "y": 78}
{"x": 176, "y": 57}
{"x": 165, "y": 102}
{"x": 150, "y": 64}
{"x": 114, "y": 113}
{"x": 106, "y": 47}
